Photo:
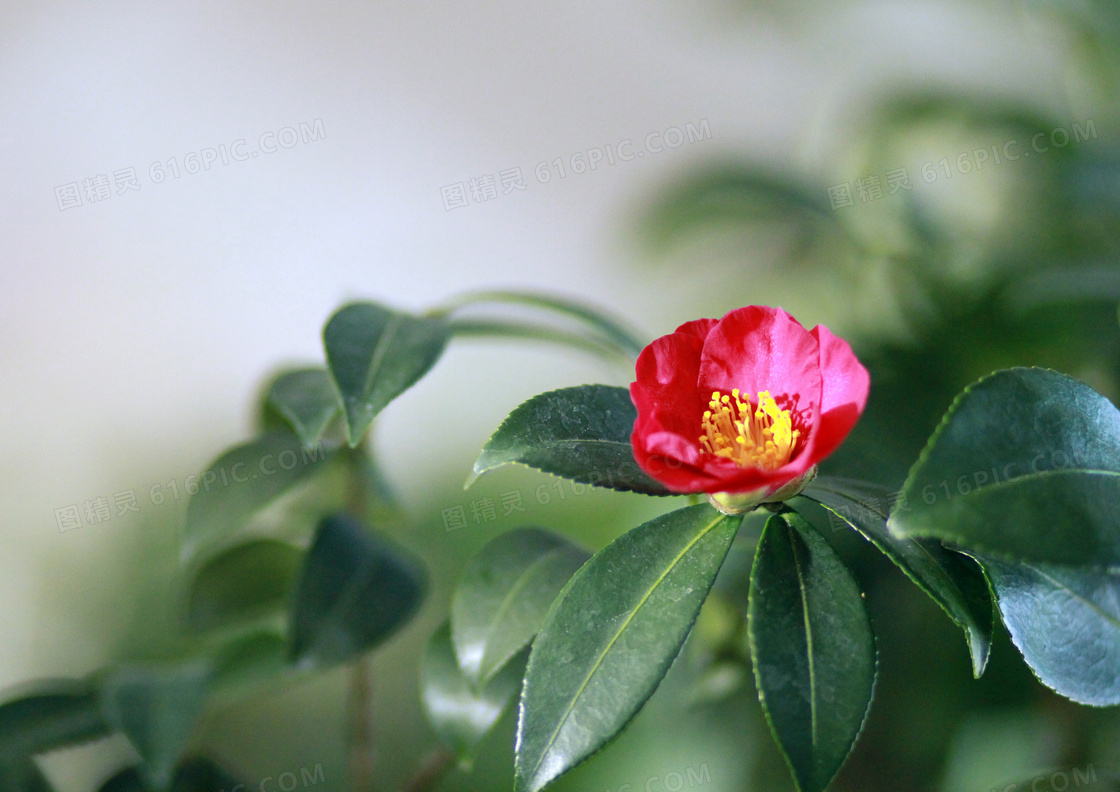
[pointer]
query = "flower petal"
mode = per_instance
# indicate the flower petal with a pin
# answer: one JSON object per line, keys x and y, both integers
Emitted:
{"x": 759, "y": 348}
{"x": 845, "y": 385}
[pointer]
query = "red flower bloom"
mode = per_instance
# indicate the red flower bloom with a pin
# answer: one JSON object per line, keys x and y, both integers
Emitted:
{"x": 744, "y": 405}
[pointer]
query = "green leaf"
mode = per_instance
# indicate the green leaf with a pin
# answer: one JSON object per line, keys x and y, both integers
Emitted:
{"x": 52, "y": 714}
{"x": 22, "y": 774}
{"x": 507, "y": 328}
{"x": 812, "y": 649}
{"x": 612, "y": 635}
{"x": 1026, "y": 464}
{"x": 156, "y": 708}
{"x": 307, "y": 399}
{"x": 504, "y": 596}
{"x": 354, "y": 591}
{"x": 1066, "y": 623}
{"x": 202, "y": 774}
{"x": 611, "y": 330}
{"x": 250, "y": 662}
{"x": 126, "y": 780}
{"x": 376, "y": 354}
{"x": 580, "y": 433}
{"x": 243, "y": 480}
{"x": 196, "y": 774}
{"x": 952, "y": 580}
{"x": 246, "y": 582}
{"x": 460, "y": 715}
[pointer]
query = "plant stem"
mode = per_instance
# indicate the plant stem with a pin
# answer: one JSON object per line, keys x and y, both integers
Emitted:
{"x": 359, "y": 737}
{"x": 359, "y": 726}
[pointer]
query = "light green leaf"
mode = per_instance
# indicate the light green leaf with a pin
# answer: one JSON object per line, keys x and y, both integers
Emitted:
{"x": 156, "y": 709}
{"x": 51, "y": 714}
{"x": 607, "y": 328}
{"x": 580, "y": 433}
{"x": 460, "y": 715}
{"x": 1066, "y": 623}
{"x": 812, "y": 649}
{"x": 307, "y": 399}
{"x": 952, "y": 580}
{"x": 609, "y": 639}
{"x": 1026, "y": 464}
{"x": 243, "y": 480}
{"x": 354, "y": 591}
{"x": 504, "y": 595}
{"x": 376, "y": 354}
{"x": 250, "y": 662}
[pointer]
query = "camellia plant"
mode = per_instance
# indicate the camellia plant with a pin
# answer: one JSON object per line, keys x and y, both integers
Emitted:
{"x": 1012, "y": 502}
{"x": 288, "y": 570}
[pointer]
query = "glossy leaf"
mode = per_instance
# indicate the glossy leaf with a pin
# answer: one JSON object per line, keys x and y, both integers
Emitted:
{"x": 1026, "y": 464}
{"x": 354, "y": 591}
{"x": 460, "y": 715}
{"x": 375, "y": 355}
{"x": 580, "y": 433}
{"x": 307, "y": 399}
{"x": 812, "y": 649}
{"x": 612, "y": 635}
{"x": 245, "y": 582}
{"x": 243, "y": 480}
{"x": 53, "y": 714}
{"x": 156, "y": 708}
{"x": 504, "y": 595}
{"x": 952, "y": 580}
{"x": 1066, "y": 623}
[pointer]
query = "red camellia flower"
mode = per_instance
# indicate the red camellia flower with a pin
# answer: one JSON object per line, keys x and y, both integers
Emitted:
{"x": 744, "y": 408}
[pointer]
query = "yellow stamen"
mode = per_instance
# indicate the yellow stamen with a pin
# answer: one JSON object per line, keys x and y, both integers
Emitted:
{"x": 761, "y": 436}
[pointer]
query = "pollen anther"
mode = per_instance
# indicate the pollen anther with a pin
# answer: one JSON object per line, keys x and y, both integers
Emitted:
{"x": 759, "y": 436}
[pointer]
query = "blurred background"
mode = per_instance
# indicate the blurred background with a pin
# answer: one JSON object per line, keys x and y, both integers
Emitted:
{"x": 191, "y": 190}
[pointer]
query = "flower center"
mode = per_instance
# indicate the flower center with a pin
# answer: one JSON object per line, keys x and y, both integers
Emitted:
{"x": 761, "y": 437}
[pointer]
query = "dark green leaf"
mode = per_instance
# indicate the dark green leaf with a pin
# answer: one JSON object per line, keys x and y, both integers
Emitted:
{"x": 375, "y": 355}
{"x": 354, "y": 591}
{"x": 307, "y": 399}
{"x": 22, "y": 774}
{"x": 1026, "y": 464}
{"x": 243, "y": 583}
{"x": 156, "y": 708}
{"x": 53, "y": 714}
{"x": 953, "y": 580}
{"x": 580, "y": 433}
{"x": 460, "y": 716}
{"x": 196, "y": 774}
{"x": 1066, "y": 622}
{"x": 126, "y": 780}
{"x": 202, "y": 774}
{"x": 504, "y": 595}
{"x": 812, "y": 648}
{"x": 243, "y": 480}
{"x": 612, "y": 635}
